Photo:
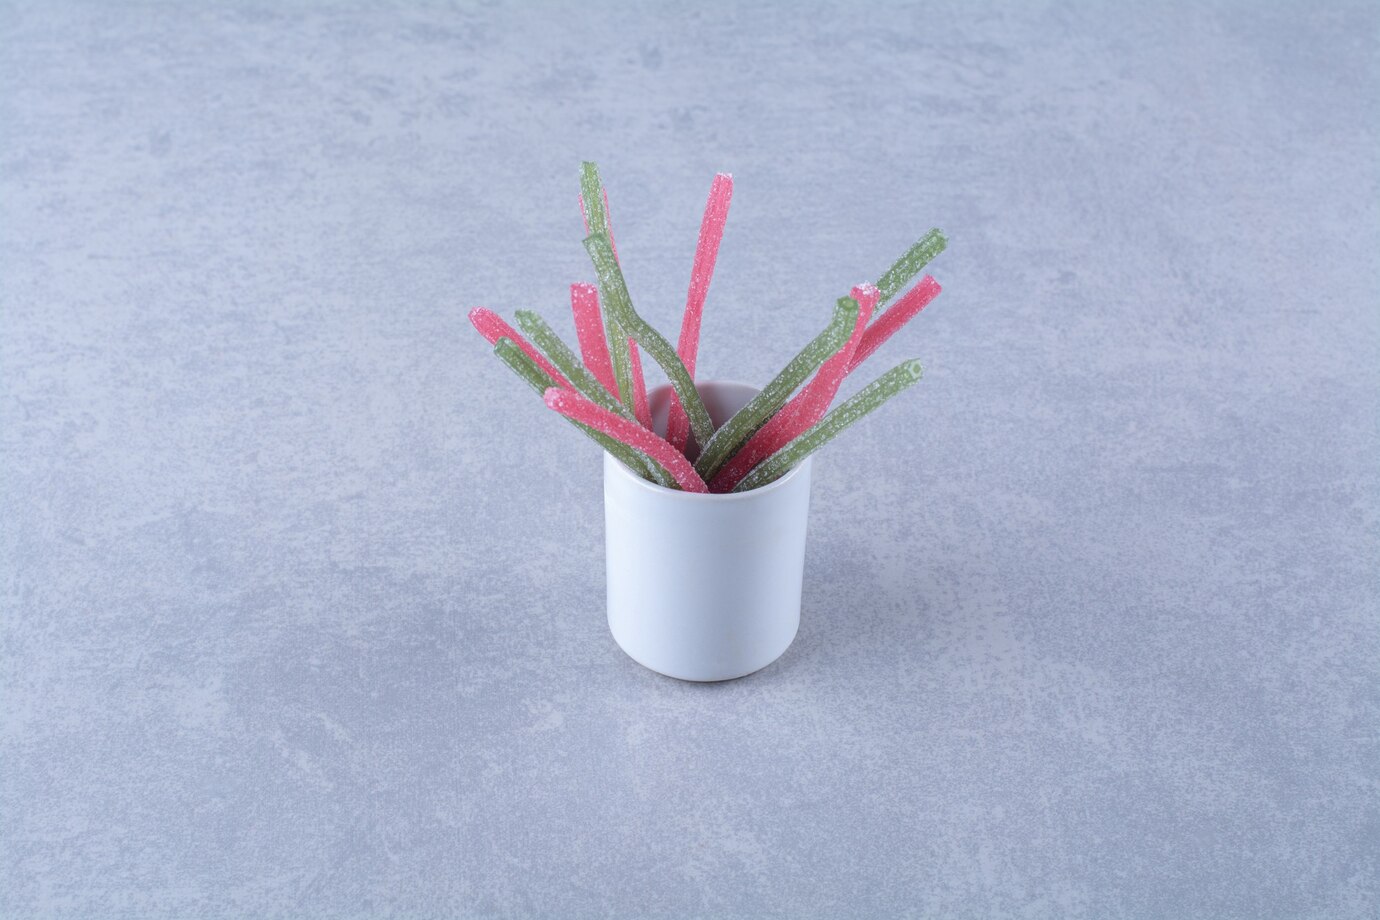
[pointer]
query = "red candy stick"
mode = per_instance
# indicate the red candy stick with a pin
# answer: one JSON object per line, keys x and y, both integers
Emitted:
{"x": 706, "y": 254}
{"x": 640, "y": 408}
{"x": 911, "y": 303}
{"x": 589, "y": 327}
{"x": 493, "y": 327}
{"x": 574, "y": 406}
{"x": 805, "y": 408}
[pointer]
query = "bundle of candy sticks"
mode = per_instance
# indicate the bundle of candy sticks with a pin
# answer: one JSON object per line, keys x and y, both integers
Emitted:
{"x": 603, "y": 393}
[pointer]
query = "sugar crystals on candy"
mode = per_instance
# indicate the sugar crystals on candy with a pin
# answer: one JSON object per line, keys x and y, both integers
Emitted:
{"x": 641, "y": 411}
{"x": 574, "y": 406}
{"x": 493, "y": 327}
{"x": 589, "y": 331}
{"x": 901, "y": 312}
{"x": 701, "y": 272}
{"x": 618, "y": 305}
{"x": 579, "y": 377}
{"x": 773, "y": 396}
{"x": 594, "y": 204}
{"x": 805, "y": 408}
{"x": 512, "y": 355}
{"x": 867, "y": 400}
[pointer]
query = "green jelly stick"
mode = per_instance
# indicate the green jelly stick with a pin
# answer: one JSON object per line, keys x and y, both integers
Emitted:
{"x": 908, "y": 266}
{"x": 735, "y": 432}
{"x": 539, "y": 380}
{"x": 867, "y": 400}
{"x": 567, "y": 362}
{"x": 597, "y": 221}
{"x": 614, "y": 291}
{"x": 592, "y": 194}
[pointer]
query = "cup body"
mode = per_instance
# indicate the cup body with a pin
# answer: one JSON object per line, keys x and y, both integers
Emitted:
{"x": 704, "y": 587}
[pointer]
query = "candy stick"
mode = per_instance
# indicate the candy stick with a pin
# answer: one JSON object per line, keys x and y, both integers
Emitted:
{"x": 867, "y": 400}
{"x": 589, "y": 329}
{"x": 804, "y": 409}
{"x": 594, "y": 202}
{"x": 617, "y": 304}
{"x": 493, "y": 327}
{"x": 574, "y": 406}
{"x": 909, "y": 265}
{"x": 726, "y": 441}
{"x": 512, "y": 355}
{"x": 701, "y": 272}
{"x": 579, "y": 377}
{"x": 641, "y": 410}
{"x": 884, "y": 326}
{"x": 608, "y": 222}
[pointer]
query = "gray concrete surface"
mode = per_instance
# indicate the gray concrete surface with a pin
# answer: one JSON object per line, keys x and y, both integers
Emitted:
{"x": 302, "y": 609}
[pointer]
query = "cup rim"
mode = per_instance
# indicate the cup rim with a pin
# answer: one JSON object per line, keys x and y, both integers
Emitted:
{"x": 683, "y": 495}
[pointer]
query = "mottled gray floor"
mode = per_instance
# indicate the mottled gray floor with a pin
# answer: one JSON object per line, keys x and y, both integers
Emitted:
{"x": 303, "y": 592}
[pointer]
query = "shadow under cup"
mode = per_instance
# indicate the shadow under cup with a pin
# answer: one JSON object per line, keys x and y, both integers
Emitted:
{"x": 704, "y": 587}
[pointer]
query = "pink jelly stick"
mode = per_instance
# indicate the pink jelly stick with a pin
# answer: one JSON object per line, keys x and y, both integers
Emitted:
{"x": 589, "y": 327}
{"x": 805, "y": 408}
{"x": 911, "y": 303}
{"x": 493, "y": 327}
{"x": 574, "y": 406}
{"x": 706, "y": 254}
{"x": 640, "y": 407}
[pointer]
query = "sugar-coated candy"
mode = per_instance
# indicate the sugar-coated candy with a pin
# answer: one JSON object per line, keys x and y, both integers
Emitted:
{"x": 574, "y": 406}
{"x": 512, "y": 355}
{"x": 613, "y": 290}
{"x": 909, "y": 265}
{"x": 901, "y": 312}
{"x": 589, "y": 331}
{"x": 804, "y": 408}
{"x": 867, "y": 400}
{"x": 701, "y": 273}
{"x": 494, "y": 327}
{"x": 579, "y": 377}
{"x": 594, "y": 204}
{"x": 641, "y": 410}
{"x": 734, "y": 432}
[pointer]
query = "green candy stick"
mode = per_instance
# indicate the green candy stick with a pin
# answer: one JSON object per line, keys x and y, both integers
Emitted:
{"x": 592, "y": 196}
{"x": 867, "y": 400}
{"x": 597, "y": 221}
{"x": 567, "y": 362}
{"x": 513, "y": 356}
{"x": 908, "y": 266}
{"x": 735, "y": 432}
{"x": 613, "y": 289}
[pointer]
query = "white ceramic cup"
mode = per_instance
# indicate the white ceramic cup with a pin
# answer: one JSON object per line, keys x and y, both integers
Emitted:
{"x": 704, "y": 587}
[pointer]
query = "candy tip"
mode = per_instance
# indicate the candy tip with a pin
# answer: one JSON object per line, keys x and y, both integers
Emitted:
{"x": 553, "y": 397}
{"x": 913, "y": 369}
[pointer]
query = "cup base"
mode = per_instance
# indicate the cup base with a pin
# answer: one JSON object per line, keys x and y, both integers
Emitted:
{"x": 705, "y": 676}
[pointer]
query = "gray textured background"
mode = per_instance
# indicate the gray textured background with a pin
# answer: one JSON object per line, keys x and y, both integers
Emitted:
{"x": 290, "y": 630}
